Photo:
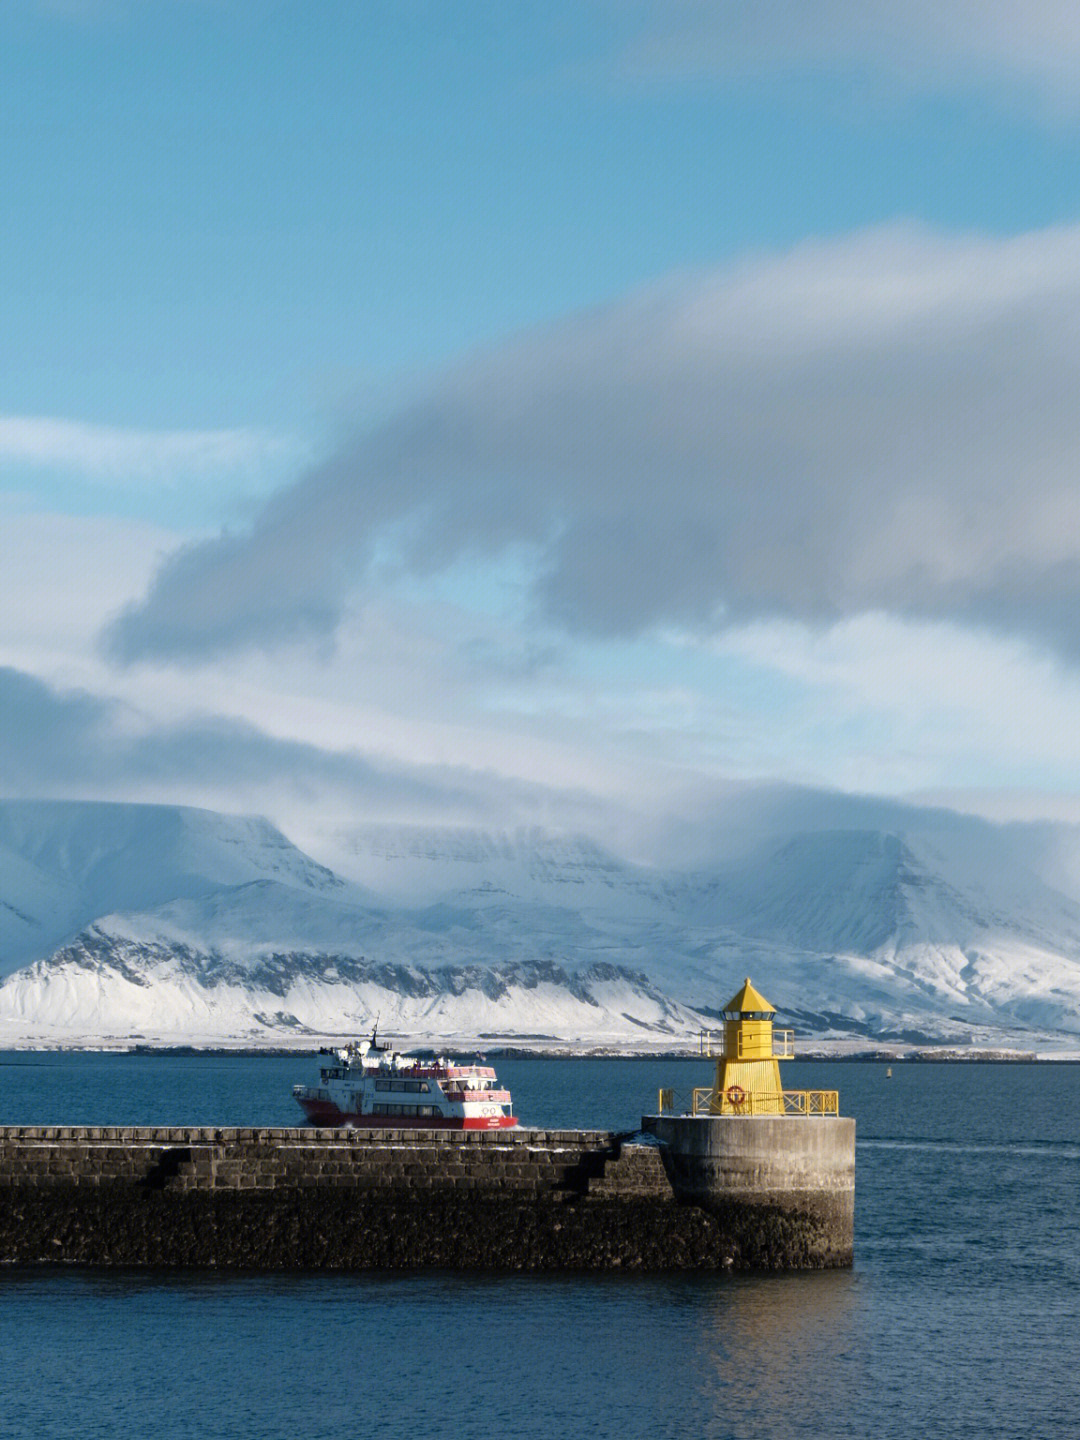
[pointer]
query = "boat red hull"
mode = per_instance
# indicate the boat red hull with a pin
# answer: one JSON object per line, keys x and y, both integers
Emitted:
{"x": 326, "y": 1113}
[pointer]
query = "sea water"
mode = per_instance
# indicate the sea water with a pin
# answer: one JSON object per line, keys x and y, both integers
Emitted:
{"x": 961, "y": 1316}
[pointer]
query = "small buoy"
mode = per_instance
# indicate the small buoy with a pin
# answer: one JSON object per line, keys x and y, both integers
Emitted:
{"x": 888, "y": 1072}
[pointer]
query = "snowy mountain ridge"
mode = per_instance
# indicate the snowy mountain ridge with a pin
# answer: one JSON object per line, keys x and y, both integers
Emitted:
{"x": 183, "y": 925}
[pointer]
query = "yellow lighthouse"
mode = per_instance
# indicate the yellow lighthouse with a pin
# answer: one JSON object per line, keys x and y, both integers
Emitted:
{"x": 748, "y": 1064}
{"x": 747, "y": 1078}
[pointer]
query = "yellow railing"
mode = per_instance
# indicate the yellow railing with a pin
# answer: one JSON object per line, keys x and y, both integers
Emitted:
{"x": 811, "y": 1102}
{"x": 786, "y": 1102}
{"x": 783, "y": 1044}
{"x": 749, "y": 1047}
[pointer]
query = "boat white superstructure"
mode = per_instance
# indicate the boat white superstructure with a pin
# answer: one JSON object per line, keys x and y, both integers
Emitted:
{"x": 370, "y": 1085}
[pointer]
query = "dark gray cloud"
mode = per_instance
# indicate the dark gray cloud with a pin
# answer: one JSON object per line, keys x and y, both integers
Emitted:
{"x": 885, "y": 422}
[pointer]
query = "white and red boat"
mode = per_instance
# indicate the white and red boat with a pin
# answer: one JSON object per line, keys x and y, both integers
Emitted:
{"x": 369, "y": 1085}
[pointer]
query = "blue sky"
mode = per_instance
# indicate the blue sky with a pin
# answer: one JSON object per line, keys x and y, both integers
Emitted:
{"x": 557, "y": 412}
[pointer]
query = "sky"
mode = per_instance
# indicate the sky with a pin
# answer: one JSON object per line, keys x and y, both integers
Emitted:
{"x": 540, "y": 414}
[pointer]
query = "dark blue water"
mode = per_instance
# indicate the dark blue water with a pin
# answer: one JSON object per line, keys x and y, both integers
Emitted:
{"x": 961, "y": 1317}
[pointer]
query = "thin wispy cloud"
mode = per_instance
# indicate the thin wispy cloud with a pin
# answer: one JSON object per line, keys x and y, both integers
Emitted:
{"x": 923, "y": 45}
{"x": 885, "y": 422}
{"x": 112, "y": 455}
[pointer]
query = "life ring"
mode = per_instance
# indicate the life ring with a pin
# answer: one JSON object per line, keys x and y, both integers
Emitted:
{"x": 735, "y": 1095}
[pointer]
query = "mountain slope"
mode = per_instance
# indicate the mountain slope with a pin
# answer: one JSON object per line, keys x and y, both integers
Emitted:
{"x": 929, "y": 928}
{"x": 121, "y": 920}
{"x": 182, "y": 924}
{"x": 63, "y": 864}
{"x": 109, "y": 986}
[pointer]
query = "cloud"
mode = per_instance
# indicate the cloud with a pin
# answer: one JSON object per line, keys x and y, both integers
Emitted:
{"x": 109, "y": 454}
{"x": 925, "y": 44}
{"x": 62, "y": 576}
{"x": 895, "y": 706}
{"x": 72, "y": 744}
{"x": 885, "y": 422}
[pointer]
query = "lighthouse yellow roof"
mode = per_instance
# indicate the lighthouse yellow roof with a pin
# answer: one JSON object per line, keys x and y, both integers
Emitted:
{"x": 749, "y": 1002}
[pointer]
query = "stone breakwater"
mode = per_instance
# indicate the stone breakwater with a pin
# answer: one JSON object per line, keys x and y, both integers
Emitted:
{"x": 285, "y": 1199}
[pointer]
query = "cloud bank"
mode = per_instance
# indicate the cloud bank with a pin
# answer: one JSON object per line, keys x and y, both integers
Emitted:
{"x": 886, "y": 422}
{"x": 71, "y": 744}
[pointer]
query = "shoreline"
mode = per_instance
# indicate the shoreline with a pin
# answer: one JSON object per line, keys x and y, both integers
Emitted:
{"x": 816, "y": 1054}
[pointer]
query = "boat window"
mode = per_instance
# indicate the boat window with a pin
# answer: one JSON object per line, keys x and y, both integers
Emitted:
{"x": 413, "y": 1087}
{"x": 403, "y": 1109}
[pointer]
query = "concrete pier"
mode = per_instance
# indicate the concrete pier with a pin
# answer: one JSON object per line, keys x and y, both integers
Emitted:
{"x": 782, "y": 1187}
{"x": 297, "y": 1198}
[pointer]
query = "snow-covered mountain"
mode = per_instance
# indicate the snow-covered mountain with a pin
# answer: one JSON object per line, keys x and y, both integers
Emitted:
{"x": 65, "y": 863}
{"x": 169, "y": 923}
{"x": 941, "y": 928}
{"x": 880, "y": 918}
{"x": 124, "y": 921}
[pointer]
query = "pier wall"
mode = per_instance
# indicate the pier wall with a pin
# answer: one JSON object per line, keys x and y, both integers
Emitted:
{"x": 341, "y": 1200}
{"x": 788, "y": 1180}
{"x": 180, "y": 1159}
{"x": 283, "y": 1199}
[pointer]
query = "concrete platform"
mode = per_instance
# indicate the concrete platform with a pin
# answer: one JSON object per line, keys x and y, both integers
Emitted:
{"x": 781, "y": 1186}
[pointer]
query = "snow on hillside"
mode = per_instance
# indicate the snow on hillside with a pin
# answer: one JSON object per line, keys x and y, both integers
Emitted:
{"x": 418, "y": 864}
{"x": 882, "y": 920}
{"x": 65, "y": 863}
{"x": 939, "y": 925}
{"x": 177, "y": 924}
{"x": 108, "y": 986}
